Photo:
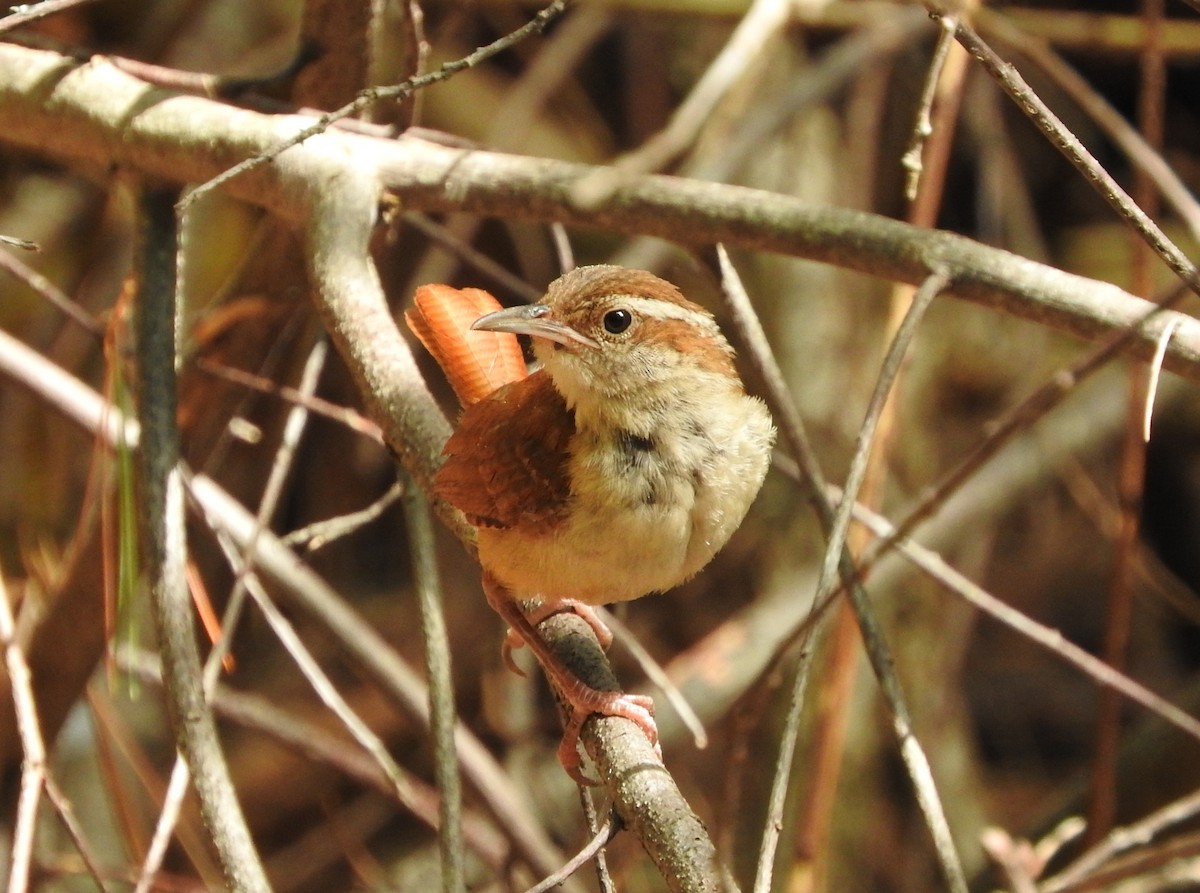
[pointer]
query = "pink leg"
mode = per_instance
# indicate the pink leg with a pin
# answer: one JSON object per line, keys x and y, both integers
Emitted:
{"x": 582, "y": 698}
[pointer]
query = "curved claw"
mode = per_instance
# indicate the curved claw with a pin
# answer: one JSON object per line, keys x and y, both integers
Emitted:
{"x": 587, "y": 702}
{"x": 512, "y": 641}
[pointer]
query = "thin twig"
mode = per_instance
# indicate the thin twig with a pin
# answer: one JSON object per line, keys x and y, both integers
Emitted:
{"x": 317, "y": 679}
{"x": 605, "y": 833}
{"x": 31, "y": 12}
{"x": 762, "y": 21}
{"x": 923, "y": 128}
{"x": 657, "y": 676}
{"x": 1168, "y": 866}
{"x": 1022, "y": 416}
{"x": 23, "y": 244}
{"x": 471, "y": 256}
{"x": 837, "y": 560}
{"x": 33, "y": 767}
{"x": 52, "y": 293}
{"x": 791, "y": 426}
{"x": 1051, "y": 639}
{"x": 876, "y": 648}
{"x": 441, "y": 687}
{"x": 1013, "y": 857}
{"x": 165, "y": 553}
{"x": 1114, "y": 125}
{"x": 937, "y": 123}
{"x": 319, "y": 534}
{"x": 1155, "y": 372}
{"x": 281, "y": 466}
{"x": 321, "y": 745}
{"x": 66, "y": 815}
{"x": 1010, "y": 80}
{"x": 604, "y": 877}
{"x": 1130, "y": 475}
{"x": 164, "y": 826}
{"x": 1122, "y": 839}
{"x": 372, "y": 95}
{"x": 342, "y": 415}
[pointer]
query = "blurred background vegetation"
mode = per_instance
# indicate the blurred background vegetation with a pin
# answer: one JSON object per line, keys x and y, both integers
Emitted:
{"x": 1013, "y": 733}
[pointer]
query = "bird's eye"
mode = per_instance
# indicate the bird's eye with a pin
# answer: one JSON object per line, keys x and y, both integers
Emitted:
{"x": 617, "y": 321}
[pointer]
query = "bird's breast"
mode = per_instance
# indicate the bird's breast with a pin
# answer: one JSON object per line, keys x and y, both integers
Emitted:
{"x": 649, "y": 506}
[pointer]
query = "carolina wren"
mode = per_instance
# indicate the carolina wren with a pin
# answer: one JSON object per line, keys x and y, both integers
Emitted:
{"x": 616, "y": 469}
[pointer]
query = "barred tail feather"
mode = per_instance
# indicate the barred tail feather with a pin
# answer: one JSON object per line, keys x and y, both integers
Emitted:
{"x": 476, "y": 363}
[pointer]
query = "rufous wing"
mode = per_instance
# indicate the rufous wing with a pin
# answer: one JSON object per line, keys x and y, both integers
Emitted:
{"x": 506, "y": 462}
{"x": 476, "y": 363}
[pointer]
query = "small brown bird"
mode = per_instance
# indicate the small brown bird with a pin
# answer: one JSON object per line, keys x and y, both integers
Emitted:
{"x": 617, "y": 469}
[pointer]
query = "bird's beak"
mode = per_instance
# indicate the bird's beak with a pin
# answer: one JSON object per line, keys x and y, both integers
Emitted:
{"x": 533, "y": 320}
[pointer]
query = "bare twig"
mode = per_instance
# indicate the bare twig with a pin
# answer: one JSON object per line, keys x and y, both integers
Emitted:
{"x": 50, "y": 292}
{"x": 67, "y": 816}
{"x": 33, "y": 767}
{"x": 1034, "y": 407}
{"x": 395, "y": 93}
{"x": 877, "y": 651}
{"x": 23, "y": 244}
{"x": 1123, "y": 839}
{"x": 476, "y": 260}
{"x": 320, "y": 682}
{"x": 164, "y": 827}
{"x": 657, "y": 676}
{"x": 1052, "y": 640}
{"x": 342, "y": 415}
{"x": 1165, "y": 866}
{"x": 1013, "y": 856}
{"x": 441, "y": 687}
{"x": 1174, "y": 191}
{"x": 837, "y": 561}
{"x": 605, "y": 833}
{"x": 165, "y": 553}
{"x": 1074, "y": 151}
{"x": 1131, "y": 470}
{"x": 319, "y": 534}
{"x": 31, "y": 12}
{"x": 923, "y": 128}
{"x": 324, "y": 746}
{"x": 1152, "y": 383}
{"x": 762, "y": 21}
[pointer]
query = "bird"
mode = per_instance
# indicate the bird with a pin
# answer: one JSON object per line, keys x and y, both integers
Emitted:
{"x": 616, "y": 469}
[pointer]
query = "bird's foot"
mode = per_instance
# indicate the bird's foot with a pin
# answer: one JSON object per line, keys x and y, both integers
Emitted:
{"x": 586, "y": 702}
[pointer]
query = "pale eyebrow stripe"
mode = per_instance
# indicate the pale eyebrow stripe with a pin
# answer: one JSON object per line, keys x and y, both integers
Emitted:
{"x": 653, "y": 309}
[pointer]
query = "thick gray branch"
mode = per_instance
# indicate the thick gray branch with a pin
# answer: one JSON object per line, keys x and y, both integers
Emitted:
{"x": 96, "y": 114}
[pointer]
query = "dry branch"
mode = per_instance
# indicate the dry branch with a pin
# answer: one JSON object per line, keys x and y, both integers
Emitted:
{"x": 94, "y": 114}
